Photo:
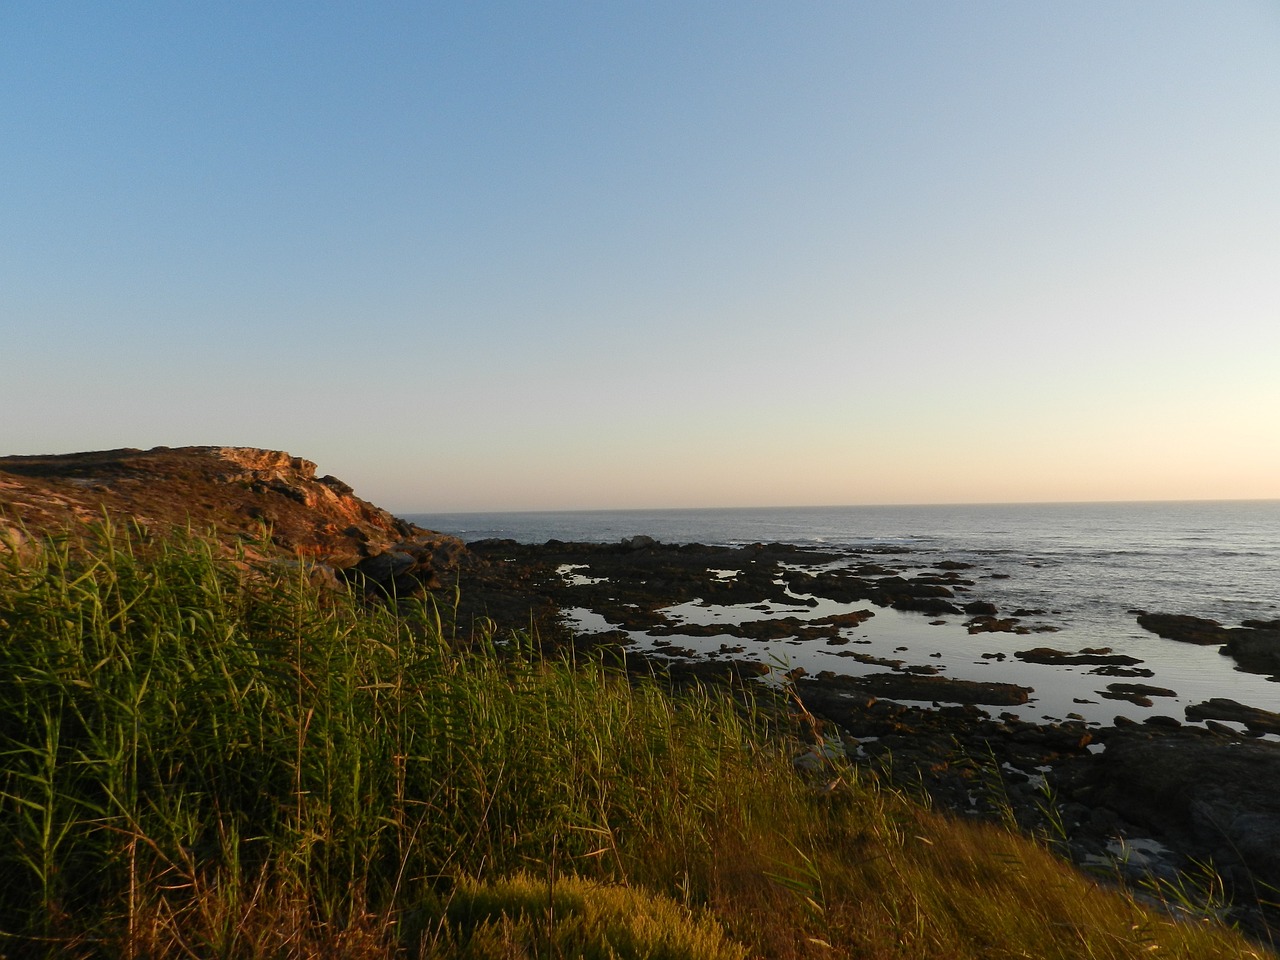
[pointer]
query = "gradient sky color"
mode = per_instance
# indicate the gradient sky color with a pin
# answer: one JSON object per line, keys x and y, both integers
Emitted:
{"x": 555, "y": 255}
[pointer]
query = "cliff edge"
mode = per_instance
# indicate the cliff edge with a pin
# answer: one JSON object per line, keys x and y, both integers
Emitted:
{"x": 257, "y": 499}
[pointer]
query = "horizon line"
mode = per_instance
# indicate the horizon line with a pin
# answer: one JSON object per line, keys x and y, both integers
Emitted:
{"x": 842, "y": 506}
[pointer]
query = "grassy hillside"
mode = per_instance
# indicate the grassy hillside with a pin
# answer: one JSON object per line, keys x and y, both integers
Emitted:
{"x": 200, "y": 759}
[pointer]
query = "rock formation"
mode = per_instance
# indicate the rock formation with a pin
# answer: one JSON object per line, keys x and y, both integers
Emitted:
{"x": 265, "y": 502}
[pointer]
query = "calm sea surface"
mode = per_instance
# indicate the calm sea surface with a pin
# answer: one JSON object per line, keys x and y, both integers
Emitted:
{"x": 1088, "y": 566}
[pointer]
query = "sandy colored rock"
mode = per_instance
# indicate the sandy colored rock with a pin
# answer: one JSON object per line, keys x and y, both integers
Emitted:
{"x": 265, "y": 501}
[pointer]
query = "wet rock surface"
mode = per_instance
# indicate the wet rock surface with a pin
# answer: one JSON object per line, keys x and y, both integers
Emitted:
{"x": 1254, "y": 645}
{"x": 1184, "y": 628}
{"x": 1254, "y": 719}
{"x": 1098, "y": 655}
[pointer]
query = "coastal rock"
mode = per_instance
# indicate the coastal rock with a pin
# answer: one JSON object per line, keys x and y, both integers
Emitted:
{"x": 1099, "y": 655}
{"x": 1215, "y": 799}
{"x": 933, "y": 606}
{"x": 989, "y": 624}
{"x": 915, "y": 686}
{"x": 408, "y": 569}
{"x": 262, "y": 500}
{"x": 1183, "y": 628}
{"x": 1255, "y": 647}
{"x": 1222, "y": 708}
{"x": 1139, "y": 694}
{"x": 896, "y": 587}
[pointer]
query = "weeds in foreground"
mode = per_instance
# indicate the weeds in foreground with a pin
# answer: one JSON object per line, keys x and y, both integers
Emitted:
{"x": 202, "y": 760}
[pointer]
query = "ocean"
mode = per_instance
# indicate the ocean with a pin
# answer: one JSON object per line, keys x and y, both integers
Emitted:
{"x": 1088, "y": 566}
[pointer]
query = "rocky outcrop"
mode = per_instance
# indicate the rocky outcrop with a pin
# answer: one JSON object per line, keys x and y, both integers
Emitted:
{"x": 265, "y": 502}
{"x": 1089, "y": 655}
{"x": 1221, "y": 708}
{"x": 1254, "y": 645}
{"x": 911, "y": 686}
{"x": 1213, "y": 798}
{"x": 1185, "y": 629}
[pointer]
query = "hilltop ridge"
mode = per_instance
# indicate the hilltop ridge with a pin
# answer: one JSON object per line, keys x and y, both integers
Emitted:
{"x": 258, "y": 499}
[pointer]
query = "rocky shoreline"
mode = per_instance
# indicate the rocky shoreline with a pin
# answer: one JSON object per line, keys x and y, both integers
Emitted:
{"x": 1148, "y": 803}
{"x": 1145, "y": 801}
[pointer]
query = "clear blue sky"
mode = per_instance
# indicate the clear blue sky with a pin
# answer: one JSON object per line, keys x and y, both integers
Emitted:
{"x": 558, "y": 255}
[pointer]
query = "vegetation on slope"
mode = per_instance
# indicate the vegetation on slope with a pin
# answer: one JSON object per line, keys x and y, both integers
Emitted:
{"x": 205, "y": 760}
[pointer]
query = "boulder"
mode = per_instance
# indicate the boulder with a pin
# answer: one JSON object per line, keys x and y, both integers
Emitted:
{"x": 980, "y": 607}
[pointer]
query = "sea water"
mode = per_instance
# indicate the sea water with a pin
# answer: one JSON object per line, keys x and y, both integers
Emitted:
{"x": 1088, "y": 566}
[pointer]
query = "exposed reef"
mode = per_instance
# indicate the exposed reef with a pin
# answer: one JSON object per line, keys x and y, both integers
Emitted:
{"x": 1254, "y": 645}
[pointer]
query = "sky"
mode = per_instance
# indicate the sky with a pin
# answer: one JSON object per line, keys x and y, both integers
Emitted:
{"x": 508, "y": 256}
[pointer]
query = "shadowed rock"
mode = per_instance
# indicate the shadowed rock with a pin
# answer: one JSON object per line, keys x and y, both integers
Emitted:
{"x": 912, "y": 686}
{"x": 1254, "y": 645}
{"x": 1214, "y": 798}
{"x": 1221, "y": 708}
{"x": 1183, "y": 628}
{"x": 1099, "y": 655}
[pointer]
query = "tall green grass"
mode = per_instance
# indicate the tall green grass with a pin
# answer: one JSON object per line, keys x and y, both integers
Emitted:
{"x": 199, "y": 758}
{"x": 179, "y": 736}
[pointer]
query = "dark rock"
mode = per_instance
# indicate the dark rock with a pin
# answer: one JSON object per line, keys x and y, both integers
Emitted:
{"x": 1222, "y": 729}
{"x": 1183, "y": 628}
{"x": 1220, "y": 708}
{"x": 981, "y": 607}
{"x": 851, "y": 619}
{"x": 1216, "y": 799}
{"x": 1114, "y": 671}
{"x": 1255, "y": 647}
{"x": 987, "y": 624}
{"x": 1048, "y": 655}
{"x": 933, "y": 606}
{"x": 934, "y": 688}
{"x": 1137, "y": 693}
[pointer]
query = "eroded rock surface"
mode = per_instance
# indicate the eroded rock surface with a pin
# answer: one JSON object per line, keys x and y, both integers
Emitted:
{"x": 266, "y": 502}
